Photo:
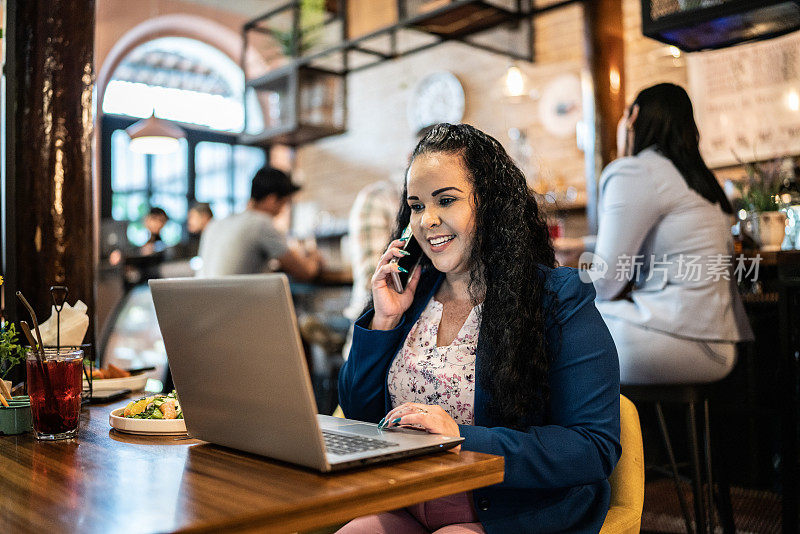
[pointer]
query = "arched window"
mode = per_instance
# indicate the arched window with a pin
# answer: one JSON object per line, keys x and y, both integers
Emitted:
{"x": 196, "y": 85}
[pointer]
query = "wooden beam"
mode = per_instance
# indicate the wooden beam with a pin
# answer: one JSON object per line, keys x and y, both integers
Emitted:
{"x": 605, "y": 61}
{"x": 48, "y": 222}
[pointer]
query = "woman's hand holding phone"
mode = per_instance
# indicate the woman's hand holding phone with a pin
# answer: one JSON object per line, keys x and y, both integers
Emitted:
{"x": 389, "y": 304}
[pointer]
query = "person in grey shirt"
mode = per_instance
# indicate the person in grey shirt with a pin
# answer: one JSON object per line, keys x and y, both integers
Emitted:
{"x": 245, "y": 242}
{"x": 664, "y": 243}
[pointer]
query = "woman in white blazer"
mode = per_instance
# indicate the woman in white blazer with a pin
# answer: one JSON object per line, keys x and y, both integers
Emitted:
{"x": 664, "y": 234}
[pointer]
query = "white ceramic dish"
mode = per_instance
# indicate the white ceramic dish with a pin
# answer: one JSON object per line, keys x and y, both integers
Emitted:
{"x": 133, "y": 383}
{"x": 151, "y": 427}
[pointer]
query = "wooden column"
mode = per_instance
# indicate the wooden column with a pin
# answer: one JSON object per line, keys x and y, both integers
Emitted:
{"x": 48, "y": 230}
{"x": 606, "y": 61}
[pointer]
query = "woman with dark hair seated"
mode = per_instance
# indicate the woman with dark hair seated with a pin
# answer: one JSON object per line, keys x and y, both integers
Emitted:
{"x": 491, "y": 342}
{"x": 665, "y": 236}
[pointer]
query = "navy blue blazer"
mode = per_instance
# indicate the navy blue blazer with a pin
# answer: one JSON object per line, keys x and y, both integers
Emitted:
{"x": 556, "y": 472}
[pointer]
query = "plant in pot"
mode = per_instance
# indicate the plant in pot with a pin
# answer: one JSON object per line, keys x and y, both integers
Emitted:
{"x": 11, "y": 352}
{"x": 15, "y": 413}
{"x": 760, "y": 196}
{"x": 312, "y": 17}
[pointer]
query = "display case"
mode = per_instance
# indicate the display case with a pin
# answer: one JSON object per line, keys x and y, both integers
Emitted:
{"x": 303, "y": 104}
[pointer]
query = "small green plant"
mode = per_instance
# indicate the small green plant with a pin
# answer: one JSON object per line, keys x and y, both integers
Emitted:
{"x": 312, "y": 17}
{"x": 760, "y": 190}
{"x": 285, "y": 39}
{"x": 11, "y": 352}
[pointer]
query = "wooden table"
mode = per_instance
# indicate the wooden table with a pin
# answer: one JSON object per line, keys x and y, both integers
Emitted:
{"x": 106, "y": 481}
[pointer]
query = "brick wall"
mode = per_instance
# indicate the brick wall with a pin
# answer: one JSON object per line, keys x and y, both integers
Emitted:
{"x": 647, "y": 61}
{"x": 379, "y": 139}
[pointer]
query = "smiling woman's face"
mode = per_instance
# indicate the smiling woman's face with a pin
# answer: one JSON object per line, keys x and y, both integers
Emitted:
{"x": 442, "y": 210}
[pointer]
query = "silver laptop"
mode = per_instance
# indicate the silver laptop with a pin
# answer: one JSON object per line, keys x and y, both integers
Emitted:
{"x": 238, "y": 366}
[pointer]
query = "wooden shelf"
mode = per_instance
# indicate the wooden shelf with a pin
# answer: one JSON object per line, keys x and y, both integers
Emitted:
{"x": 277, "y": 78}
{"x": 310, "y": 105}
{"x": 290, "y": 135}
{"x": 459, "y": 19}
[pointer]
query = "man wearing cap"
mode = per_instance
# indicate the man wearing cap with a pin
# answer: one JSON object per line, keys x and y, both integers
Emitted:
{"x": 243, "y": 243}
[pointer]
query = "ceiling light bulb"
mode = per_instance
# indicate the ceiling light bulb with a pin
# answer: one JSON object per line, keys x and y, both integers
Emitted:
{"x": 793, "y": 100}
{"x": 515, "y": 82}
{"x": 154, "y": 145}
{"x": 614, "y": 80}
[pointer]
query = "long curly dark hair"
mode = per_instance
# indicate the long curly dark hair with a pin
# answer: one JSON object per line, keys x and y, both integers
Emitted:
{"x": 511, "y": 244}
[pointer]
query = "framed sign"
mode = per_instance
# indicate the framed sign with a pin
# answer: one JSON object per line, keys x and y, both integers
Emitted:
{"x": 747, "y": 100}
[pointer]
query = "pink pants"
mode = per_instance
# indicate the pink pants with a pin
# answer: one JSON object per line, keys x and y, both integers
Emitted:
{"x": 448, "y": 515}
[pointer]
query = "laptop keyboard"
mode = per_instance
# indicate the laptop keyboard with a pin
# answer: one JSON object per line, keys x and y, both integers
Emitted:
{"x": 348, "y": 443}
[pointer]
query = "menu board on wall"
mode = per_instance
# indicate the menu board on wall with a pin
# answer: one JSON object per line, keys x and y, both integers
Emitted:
{"x": 747, "y": 100}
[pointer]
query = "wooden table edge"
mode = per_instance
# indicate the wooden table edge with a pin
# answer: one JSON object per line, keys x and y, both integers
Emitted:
{"x": 307, "y": 517}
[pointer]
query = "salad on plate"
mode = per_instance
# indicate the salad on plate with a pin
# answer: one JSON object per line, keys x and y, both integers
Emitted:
{"x": 154, "y": 407}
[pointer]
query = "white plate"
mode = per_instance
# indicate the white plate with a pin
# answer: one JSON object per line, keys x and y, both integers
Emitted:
{"x": 133, "y": 383}
{"x": 152, "y": 427}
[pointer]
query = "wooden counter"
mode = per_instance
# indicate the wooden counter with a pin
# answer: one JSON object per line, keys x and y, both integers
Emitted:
{"x": 106, "y": 481}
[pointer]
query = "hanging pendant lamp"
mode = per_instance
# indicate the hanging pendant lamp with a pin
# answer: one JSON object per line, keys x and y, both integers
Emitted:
{"x": 515, "y": 83}
{"x": 154, "y": 136}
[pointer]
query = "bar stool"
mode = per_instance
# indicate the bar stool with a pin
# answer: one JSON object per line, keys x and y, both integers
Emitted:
{"x": 694, "y": 397}
{"x": 789, "y": 312}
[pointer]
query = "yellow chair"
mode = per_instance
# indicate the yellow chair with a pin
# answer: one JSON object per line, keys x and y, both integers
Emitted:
{"x": 627, "y": 479}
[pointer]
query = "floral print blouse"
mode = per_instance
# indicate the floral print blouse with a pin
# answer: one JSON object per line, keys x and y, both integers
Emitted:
{"x": 445, "y": 376}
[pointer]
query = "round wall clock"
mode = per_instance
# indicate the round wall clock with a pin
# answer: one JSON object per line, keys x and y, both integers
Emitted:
{"x": 560, "y": 106}
{"x": 438, "y": 97}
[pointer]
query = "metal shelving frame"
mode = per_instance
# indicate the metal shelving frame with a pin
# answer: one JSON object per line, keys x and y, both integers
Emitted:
{"x": 523, "y": 10}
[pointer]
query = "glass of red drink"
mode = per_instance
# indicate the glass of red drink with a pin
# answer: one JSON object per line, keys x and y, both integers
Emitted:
{"x": 55, "y": 390}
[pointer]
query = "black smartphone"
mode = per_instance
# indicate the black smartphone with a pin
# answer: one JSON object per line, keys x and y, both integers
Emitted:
{"x": 409, "y": 262}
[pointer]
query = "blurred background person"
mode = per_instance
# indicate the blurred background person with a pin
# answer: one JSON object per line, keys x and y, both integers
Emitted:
{"x": 370, "y": 225}
{"x": 197, "y": 219}
{"x": 243, "y": 243}
{"x": 154, "y": 222}
{"x": 143, "y": 263}
{"x": 660, "y": 207}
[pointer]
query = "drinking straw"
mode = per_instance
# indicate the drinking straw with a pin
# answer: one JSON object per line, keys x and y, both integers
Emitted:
{"x": 31, "y": 340}
{"x": 62, "y": 293}
{"x": 40, "y": 358}
{"x": 40, "y": 352}
{"x": 35, "y": 322}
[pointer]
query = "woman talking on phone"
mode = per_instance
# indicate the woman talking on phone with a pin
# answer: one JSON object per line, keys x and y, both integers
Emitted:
{"x": 491, "y": 342}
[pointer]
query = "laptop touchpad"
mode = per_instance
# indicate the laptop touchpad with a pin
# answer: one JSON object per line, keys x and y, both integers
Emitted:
{"x": 359, "y": 428}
